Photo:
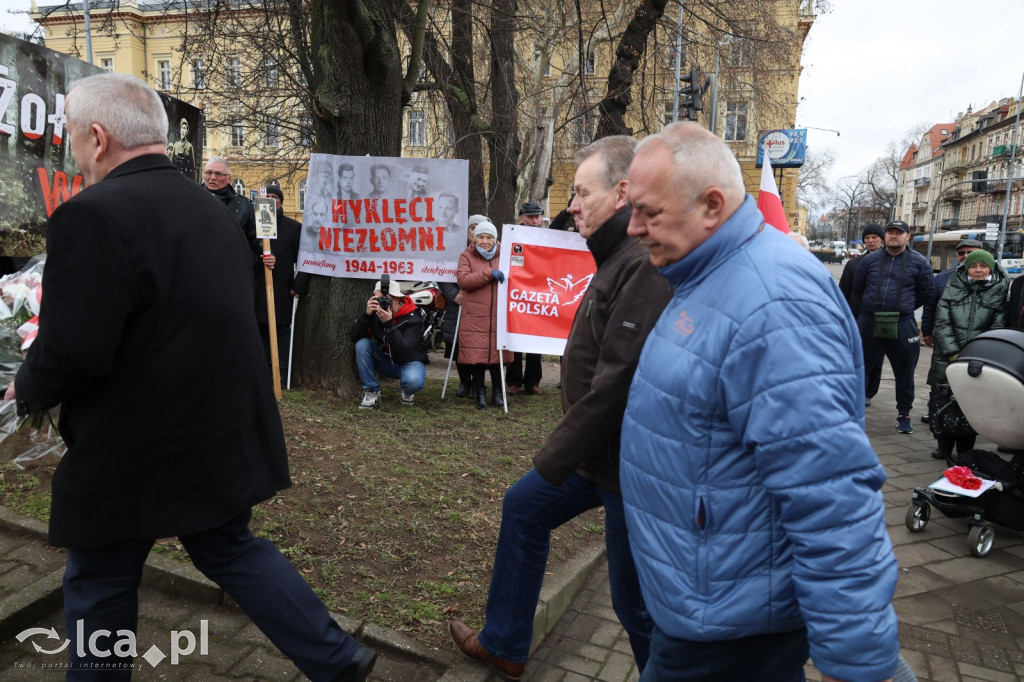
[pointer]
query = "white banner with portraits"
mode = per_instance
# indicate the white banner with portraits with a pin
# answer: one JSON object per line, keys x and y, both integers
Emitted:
{"x": 365, "y": 216}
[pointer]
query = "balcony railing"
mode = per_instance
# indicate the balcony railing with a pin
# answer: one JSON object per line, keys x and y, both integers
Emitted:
{"x": 990, "y": 218}
{"x": 922, "y": 182}
{"x": 954, "y": 195}
{"x": 950, "y": 222}
{"x": 954, "y": 163}
{"x": 919, "y": 206}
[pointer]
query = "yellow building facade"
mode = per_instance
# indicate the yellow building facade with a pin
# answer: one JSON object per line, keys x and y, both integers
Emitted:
{"x": 560, "y": 86}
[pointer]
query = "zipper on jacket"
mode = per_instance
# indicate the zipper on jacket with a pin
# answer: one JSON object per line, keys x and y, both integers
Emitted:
{"x": 701, "y": 514}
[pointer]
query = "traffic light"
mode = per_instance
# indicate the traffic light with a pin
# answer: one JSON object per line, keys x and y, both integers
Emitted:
{"x": 690, "y": 94}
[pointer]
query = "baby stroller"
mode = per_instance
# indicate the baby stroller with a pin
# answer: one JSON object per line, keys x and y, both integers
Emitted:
{"x": 987, "y": 379}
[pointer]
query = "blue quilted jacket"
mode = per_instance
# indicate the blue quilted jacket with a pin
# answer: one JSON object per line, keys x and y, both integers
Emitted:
{"x": 752, "y": 493}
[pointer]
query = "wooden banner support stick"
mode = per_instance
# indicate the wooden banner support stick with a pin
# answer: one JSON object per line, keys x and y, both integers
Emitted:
{"x": 275, "y": 361}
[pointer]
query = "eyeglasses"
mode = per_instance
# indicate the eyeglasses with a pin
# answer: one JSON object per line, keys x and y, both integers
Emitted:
{"x": 962, "y": 253}
{"x": 215, "y": 174}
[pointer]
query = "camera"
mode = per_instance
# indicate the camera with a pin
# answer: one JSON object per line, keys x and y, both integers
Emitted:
{"x": 383, "y": 301}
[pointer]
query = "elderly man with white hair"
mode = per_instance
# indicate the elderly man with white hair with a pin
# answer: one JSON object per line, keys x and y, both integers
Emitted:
{"x": 752, "y": 495}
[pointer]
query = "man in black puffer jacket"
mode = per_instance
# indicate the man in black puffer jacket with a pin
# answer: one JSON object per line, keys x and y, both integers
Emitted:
{"x": 894, "y": 279}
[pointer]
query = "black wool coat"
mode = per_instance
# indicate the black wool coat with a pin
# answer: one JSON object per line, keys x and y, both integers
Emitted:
{"x": 285, "y": 280}
{"x": 148, "y": 340}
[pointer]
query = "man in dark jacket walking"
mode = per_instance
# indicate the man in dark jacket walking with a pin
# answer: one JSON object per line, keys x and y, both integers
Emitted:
{"x": 287, "y": 284}
{"x": 578, "y": 467}
{"x": 388, "y": 339}
{"x": 892, "y": 283}
{"x": 873, "y": 238}
{"x": 168, "y": 413}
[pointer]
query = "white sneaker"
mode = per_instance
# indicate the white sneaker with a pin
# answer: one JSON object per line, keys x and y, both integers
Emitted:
{"x": 371, "y": 399}
{"x": 408, "y": 399}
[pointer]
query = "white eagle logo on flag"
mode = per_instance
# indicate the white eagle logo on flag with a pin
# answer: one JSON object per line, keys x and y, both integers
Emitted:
{"x": 567, "y": 288}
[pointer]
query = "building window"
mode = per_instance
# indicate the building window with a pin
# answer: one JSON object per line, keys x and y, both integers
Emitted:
{"x": 237, "y": 131}
{"x": 235, "y": 72}
{"x": 737, "y": 51}
{"x": 589, "y": 65}
{"x": 736, "y": 122}
{"x": 273, "y": 133}
{"x": 107, "y": 64}
{"x": 206, "y": 142}
{"x": 198, "y": 74}
{"x": 306, "y": 130}
{"x": 417, "y": 129}
{"x": 271, "y": 66}
{"x": 239, "y": 186}
{"x": 302, "y": 195}
{"x": 163, "y": 73}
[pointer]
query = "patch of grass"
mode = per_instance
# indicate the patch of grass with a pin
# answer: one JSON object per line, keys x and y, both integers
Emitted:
{"x": 393, "y": 514}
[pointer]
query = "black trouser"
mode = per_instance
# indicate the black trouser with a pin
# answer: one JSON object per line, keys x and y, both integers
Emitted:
{"x": 902, "y": 353}
{"x": 962, "y": 443}
{"x": 514, "y": 375}
{"x": 874, "y": 378}
{"x": 478, "y": 378}
{"x": 283, "y": 334}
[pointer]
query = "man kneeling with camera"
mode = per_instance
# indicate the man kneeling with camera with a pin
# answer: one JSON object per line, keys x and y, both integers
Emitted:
{"x": 389, "y": 339}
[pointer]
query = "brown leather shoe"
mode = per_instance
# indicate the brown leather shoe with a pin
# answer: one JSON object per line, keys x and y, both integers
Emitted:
{"x": 465, "y": 641}
{"x": 512, "y": 390}
{"x": 533, "y": 390}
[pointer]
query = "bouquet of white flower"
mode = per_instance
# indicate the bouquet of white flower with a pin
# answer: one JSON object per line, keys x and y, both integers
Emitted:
{"x": 20, "y": 296}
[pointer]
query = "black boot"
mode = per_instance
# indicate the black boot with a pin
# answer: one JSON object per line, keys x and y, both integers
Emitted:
{"x": 481, "y": 400}
{"x": 463, "y": 391}
{"x": 496, "y": 398}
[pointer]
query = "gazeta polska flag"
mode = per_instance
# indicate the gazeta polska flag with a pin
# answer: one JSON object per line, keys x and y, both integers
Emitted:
{"x": 547, "y": 272}
{"x": 768, "y": 200}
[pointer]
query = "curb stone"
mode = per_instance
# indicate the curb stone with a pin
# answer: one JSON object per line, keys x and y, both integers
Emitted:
{"x": 40, "y": 599}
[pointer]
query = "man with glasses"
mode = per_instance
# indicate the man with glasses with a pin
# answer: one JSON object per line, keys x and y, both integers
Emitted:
{"x": 892, "y": 283}
{"x": 217, "y": 178}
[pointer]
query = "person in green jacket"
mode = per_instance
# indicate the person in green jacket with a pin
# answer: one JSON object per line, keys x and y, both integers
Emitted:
{"x": 974, "y": 302}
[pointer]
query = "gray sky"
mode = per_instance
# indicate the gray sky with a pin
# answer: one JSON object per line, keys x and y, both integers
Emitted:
{"x": 874, "y": 69}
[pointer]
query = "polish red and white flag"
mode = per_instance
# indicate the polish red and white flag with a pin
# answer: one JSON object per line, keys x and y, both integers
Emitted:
{"x": 768, "y": 200}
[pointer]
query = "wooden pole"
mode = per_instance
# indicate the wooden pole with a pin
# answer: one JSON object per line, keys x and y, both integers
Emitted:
{"x": 275, "y": 362}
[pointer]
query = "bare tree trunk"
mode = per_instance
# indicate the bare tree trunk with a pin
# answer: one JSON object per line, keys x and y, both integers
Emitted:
{"x": 503, "y": 143}
{"x": 627, "y": 60}
{"x": 357, "y": 99}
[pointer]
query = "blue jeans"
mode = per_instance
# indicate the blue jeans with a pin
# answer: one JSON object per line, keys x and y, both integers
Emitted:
{"x": 370, "y": 359}
{"x": 776, "y": 657}
{"x": 531, "y": 510}
{"x": 101, "y": 589}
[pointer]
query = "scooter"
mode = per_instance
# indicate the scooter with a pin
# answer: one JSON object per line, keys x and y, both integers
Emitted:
{"x": 428, "y": 297}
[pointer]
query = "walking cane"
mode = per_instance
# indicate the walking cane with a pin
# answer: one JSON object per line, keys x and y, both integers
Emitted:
{"x": 451, "y": 356}
{"x": 291, "y": 340}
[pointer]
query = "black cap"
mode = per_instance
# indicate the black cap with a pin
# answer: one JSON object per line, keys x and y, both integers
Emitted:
{"x": 873, "y": 228}
{"x": 970, "y": 243}
{"x": 275, "y": 190}
{"x": 531, "y": 208}
{"x": 897, "y": 225}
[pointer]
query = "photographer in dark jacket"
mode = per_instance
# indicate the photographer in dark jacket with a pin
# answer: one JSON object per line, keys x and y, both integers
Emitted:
{"x": 389, "y": 340}
{"x": 893, "y": 282}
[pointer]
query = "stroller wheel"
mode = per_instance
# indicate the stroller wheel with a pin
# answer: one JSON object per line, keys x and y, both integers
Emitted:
{"x": 917, "y": 517}
{"x": 980, "y": 539}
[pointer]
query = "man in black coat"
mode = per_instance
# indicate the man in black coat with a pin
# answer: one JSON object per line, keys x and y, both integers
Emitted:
{"x": 217, "y": 178}
{"x": 287, "y": 284}
{"x": 873, "y": 237}
{"x": 167, "y": 410}
{"x": 578, "y": 467}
